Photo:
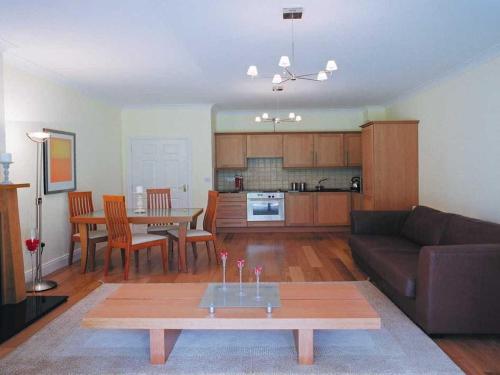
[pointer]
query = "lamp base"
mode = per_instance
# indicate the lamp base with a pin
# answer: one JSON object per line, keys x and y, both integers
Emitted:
{"x": 40, "y": 286}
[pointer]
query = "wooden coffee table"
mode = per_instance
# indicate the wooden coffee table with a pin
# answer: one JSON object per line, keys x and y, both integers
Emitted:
{"x": 166, "y": 309}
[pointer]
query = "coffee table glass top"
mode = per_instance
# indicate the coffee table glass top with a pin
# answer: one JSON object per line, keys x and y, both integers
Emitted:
{"x": 266, "y": 295}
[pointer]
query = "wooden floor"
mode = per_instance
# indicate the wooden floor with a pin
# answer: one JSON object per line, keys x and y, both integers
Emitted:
{"x": 285, "y": 256}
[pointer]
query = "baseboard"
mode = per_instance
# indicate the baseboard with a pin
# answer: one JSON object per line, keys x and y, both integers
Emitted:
{"x": 54, "y": 264}
{"x": 301, "y": 229}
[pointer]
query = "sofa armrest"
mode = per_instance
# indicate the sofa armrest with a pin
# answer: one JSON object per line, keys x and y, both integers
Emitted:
{"x": 458, "y": 288}
{"x": 378, "y": 222}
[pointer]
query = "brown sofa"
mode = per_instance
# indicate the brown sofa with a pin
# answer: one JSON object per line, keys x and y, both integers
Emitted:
{"x": 441, "y": 269}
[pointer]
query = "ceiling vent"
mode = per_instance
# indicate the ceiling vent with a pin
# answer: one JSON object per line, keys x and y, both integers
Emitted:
{"x": 292, "y": 13}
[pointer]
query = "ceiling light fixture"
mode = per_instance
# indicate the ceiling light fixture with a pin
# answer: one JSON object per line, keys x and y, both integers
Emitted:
{"x": 285, "y": 62}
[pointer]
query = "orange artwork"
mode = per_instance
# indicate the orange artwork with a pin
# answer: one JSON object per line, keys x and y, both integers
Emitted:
{"x": 60, "y": 160}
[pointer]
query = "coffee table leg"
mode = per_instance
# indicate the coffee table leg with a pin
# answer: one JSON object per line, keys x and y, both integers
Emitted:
{"x": 304, "y": 343}
{"x": 161, "y": 343}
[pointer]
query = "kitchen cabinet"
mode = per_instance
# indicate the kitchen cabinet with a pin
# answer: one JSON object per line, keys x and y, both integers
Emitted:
{"x": 299, "y": 209}
{"x": 231, "y": 210}
{"x": 332, "y": 209}
{"x": 329, "y": 150}
{"x": 264, "y": 145}
{"x": 230, "y": 151}
{"x": 352, "y": 149}
{"x": 356, "y": 201}
{"x": 298, "y": 150}
{"x": 390, "y": 165}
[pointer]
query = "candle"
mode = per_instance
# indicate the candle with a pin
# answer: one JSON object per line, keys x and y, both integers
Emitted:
{"x": 139, "y": 189}
{"x": 5, "y": 158}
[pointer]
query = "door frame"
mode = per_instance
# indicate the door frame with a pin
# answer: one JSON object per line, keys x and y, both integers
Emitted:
{"x": 128, "y": 178}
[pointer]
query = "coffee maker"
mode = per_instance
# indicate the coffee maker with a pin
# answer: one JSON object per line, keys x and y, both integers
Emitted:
{"x": 356, "y": 183}
{"x": 238, "y": 183}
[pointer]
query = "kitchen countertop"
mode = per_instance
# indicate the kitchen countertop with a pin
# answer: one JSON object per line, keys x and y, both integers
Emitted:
{"x": 325, "y": 190}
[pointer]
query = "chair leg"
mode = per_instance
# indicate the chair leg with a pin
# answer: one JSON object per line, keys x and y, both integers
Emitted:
{"x": 195, "y": 250}
{"x": 136, "y": 258}
{"x": 127, "y": 264}
{"x": 149, "y": 254}
{"x": 207, "y": 244}
{"x": 164, "y": 255}
{"x": 170, "y": 246}
{"x": 71, "y": 251}
{"x": 107, "y": 258}
{"x": 214, "y": 241}
{"x": 92, "y": 248}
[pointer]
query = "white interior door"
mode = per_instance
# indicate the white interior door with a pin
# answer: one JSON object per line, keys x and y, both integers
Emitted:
{"x": 159, "y": 163}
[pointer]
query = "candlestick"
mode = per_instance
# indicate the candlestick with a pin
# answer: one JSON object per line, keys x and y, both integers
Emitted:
{"x": 258, "y": 271}
{"x": 241, "y": 263}
{"x": 223, "y": 257}
{"x": 6, "y": 165}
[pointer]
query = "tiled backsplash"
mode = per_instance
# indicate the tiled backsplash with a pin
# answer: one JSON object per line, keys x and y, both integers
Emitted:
{"x": 270, "y": 174}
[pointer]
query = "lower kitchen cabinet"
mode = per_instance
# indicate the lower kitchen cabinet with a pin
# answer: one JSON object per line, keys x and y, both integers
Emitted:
{"x": 299, "y": 209}
{"x": 231, "y": 210}
{"x": 317, "y": 209}
{"x": 332, "y": 209}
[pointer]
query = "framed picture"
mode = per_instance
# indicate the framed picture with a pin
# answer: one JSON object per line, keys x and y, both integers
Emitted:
{"x": 59, "y": 162}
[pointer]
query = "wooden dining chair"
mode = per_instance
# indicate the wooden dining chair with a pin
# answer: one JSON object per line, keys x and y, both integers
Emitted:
{"x": 207, "y": 234}
{"x": 120, "y": 236}
{"x": 80, "y": 203}
{"x": 159, "y": 199}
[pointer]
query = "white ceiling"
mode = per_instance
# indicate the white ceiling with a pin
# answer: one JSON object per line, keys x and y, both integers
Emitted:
{"x": 149, "y": 52}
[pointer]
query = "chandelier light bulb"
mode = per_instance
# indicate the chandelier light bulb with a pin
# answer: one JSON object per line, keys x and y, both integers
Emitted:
{"x": 298, "y": 118}
{"x": 276, "y": 79}
{"x": 291, "y": 115}
{"x": 284, "y": 62}
{"x": 252, "y": 71}
{"x": 331, "y": 65}
{"x": 322, "y": 76}
{"x": 265, "y": 116}
{"x": 258, "y": 119}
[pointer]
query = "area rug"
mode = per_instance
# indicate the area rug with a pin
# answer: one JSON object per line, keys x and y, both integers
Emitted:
{"x": 63, "y": 347}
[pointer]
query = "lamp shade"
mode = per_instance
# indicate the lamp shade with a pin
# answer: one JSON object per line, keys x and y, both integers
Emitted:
{"x": 284, "y": 62}
{"x": 258, "y": 119}
{"x": 252, "y": 71}
{"x": 291, "y": 115}
{"x": 38, "y": 136}
{"x": 331, "y": 65}
{"x": 276, "y": 79}
{"x": 298, "y": 118}
{"x": 322, "y": 76}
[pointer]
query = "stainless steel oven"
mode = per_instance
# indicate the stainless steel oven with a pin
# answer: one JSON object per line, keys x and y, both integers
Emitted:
{"x": 266, "y": 206}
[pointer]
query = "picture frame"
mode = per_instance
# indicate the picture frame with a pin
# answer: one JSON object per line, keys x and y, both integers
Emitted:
{"x": 59, "y": 162}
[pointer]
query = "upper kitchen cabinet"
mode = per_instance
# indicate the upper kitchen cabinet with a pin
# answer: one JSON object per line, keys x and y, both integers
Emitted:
{"x": 264, "y": 145}
{"x": 390, "y": 165}
{"x": 328, "y": 150}
{"x": 230, "y": 151}
{"x": 298, "y": 150}
{"x": 352, "y": 149}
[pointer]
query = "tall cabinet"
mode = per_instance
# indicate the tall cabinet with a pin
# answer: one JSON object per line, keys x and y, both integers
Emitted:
{"x": 390, "y": 165}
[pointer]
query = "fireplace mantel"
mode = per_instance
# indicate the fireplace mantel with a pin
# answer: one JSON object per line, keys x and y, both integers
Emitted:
{"x": 12, "y": 284}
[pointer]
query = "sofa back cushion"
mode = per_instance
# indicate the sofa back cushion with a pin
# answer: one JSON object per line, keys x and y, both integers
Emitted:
{"x": 464, "y": 230}
{"x": 425, "y": 226}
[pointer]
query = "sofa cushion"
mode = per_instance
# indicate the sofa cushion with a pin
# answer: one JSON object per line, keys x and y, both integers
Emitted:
{"x": 365, "y": 245}
{"x": 425, "y": 226}
{"x": 398, "y": 269}
{"x": 464, "y": 230}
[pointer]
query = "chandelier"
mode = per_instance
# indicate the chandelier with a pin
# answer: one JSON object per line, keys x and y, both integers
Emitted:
{"x": 285, "y": 62}
{"x": 292, "y": 117}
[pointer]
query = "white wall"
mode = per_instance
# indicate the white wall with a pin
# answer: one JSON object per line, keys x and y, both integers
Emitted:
{"x": 459, "y": 141}
{"x": 180, "y": 121}
{"x": 32, "y": 103}
{"x": 2, "y": 111}
{"x": 312, "y": 120}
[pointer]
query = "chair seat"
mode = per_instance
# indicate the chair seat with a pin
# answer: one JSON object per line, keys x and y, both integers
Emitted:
{"x": 93, "y": 235}
{"x": 190, "y": 233}
{"x": 161, "y": 228}
{"x": 145, "y": 237}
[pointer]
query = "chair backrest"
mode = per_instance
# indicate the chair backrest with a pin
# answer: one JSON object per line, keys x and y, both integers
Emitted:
{"x": 116, "y": 219}
{"x": 209, "y": 219}
{"x": 80, "y": 203}
{"x": 159, "y": 198}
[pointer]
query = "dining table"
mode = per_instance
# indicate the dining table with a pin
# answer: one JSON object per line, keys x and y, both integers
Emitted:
{"x": 184, "y": 217}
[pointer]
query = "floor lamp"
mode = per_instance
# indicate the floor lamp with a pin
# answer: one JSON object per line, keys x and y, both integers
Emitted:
{"x": 38, "y": 284}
